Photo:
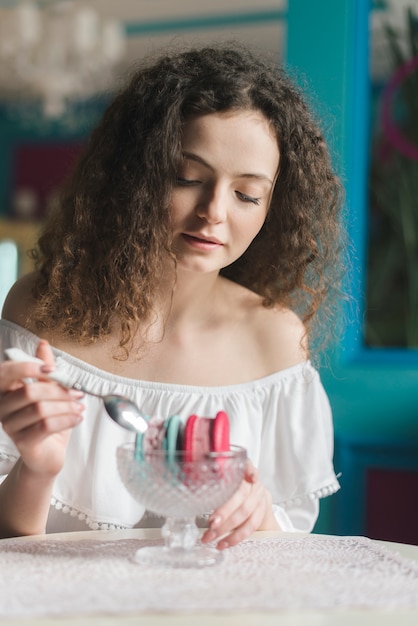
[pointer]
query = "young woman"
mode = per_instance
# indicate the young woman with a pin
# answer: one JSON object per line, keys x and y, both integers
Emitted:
{"x": 192, "y": 252}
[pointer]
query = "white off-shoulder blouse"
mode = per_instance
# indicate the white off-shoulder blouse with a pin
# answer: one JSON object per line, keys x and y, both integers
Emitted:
{"x": 283, "y": 420}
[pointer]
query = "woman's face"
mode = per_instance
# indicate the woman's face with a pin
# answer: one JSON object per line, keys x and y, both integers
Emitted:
{"x": 223, "y": 189}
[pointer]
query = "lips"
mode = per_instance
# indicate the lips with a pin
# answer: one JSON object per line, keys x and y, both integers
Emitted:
{"x": 204, "y": 239}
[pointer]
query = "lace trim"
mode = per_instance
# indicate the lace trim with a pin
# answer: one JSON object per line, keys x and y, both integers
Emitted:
{"x": 323, "y": 492}
{"x": 89, "y": 521}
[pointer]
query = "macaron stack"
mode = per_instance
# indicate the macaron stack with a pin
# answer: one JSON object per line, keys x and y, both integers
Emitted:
{"x": 196, "y": 438}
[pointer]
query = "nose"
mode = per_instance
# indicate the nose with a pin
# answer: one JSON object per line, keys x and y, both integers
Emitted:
{"x": 212, "y": 205}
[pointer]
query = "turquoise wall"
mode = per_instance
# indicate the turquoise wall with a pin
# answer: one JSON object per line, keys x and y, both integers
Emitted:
{"x": 373, "y": 392}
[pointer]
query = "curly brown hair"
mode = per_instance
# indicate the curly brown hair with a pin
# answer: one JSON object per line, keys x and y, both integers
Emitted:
{"x": 100, "y": 252}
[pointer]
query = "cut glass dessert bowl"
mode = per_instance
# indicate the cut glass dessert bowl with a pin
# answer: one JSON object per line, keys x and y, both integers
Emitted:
{"x": 180, "y": 490}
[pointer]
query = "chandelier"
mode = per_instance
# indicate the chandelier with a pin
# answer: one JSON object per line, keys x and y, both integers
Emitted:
{"x": 56, "y": 54}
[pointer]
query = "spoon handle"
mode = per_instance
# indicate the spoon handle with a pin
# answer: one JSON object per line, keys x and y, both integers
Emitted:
{"x": 16, "y": 354}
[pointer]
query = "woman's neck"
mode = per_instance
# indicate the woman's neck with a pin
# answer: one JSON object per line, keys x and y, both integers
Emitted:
{"x": 194, "y": 299}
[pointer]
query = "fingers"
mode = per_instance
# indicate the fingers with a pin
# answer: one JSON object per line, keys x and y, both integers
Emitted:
{"x": 37, "y": 402}
{"x": 243, "y": 514}
{"x": 48, "y": 405}
{"x": 241, "y": 503}
{"x": 239, "y": 518}
{"x": 251, "y": 473}
{"x": 28, "y": 439}
{"x": 39, "y": 416}
{"x": 42, "y": 398}
{"x": 44, "y": 352}
{"x": 14, "y": 373}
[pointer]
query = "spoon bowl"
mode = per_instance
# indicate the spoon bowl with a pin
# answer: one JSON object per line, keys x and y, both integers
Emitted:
{"x": 120, "y": 409}
{"x": 125, "y": 413}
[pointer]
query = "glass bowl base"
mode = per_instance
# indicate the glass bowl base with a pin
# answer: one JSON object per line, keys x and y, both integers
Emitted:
{"x": 196, "y": 557}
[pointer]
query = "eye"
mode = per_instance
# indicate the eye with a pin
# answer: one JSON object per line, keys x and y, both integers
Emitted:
{"x": 245, "y": 198}
{"x": 185, "y": 182}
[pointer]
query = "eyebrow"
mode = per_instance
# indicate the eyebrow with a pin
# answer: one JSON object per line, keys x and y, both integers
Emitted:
{"x": 194, "y": 157}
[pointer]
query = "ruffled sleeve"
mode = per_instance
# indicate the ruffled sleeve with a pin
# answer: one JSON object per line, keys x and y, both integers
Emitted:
{"x": 297, "y": 444}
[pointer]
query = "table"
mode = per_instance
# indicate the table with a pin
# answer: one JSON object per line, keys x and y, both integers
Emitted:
{"x": 401, "y": 559}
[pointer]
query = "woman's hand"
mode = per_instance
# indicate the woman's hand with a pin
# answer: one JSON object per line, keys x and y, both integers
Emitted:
{"x": 38, "y": 417}
{"x": 249, "y": 509}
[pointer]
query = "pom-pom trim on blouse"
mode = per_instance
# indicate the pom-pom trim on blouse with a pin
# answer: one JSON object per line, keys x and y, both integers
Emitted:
{"x": 323, "y": 492}
{"x": 89, "y": 521}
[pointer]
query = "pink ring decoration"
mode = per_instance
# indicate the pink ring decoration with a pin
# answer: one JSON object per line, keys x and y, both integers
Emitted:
{"x": 394, "y": 136}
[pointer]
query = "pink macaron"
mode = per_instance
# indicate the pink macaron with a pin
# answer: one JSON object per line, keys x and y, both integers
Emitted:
{"x": 203, "y": 435}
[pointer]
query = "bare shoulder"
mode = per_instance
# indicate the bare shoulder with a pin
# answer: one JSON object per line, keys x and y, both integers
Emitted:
{"x": 282, "y": 336}
{"x": 19, "y": 301}
{"x": 276, "y": 336}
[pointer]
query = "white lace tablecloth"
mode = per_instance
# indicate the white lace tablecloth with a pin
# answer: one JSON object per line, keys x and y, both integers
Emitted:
{"x": 51, "y": 577}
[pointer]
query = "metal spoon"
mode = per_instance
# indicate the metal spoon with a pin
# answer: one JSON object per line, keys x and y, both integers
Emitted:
{"x": 122, "y": 410}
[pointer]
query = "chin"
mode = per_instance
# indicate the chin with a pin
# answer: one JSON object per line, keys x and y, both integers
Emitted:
{"x": 197, "y": 267}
